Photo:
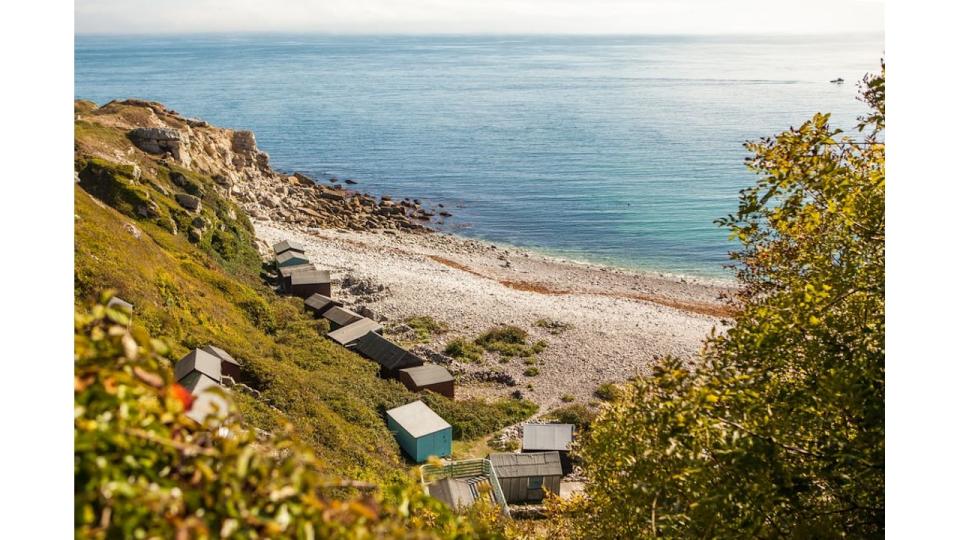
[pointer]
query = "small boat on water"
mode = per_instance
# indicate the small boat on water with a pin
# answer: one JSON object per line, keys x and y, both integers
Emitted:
{"x": 838, "y": 80}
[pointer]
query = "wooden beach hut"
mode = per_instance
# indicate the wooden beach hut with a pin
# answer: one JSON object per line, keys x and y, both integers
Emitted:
{"x": 524, "y": 477}
{"x": 550, "y": 437}
{"x": 198, "y": 363}
{"x": 287, "y": 272}
{"x": 391, "y": 357}
{"x": 229, "y": 365}
{"x": 349, "y": 334}
{"x": 427, "y": 377}
{"x": 318, "y": 303}
{"x": 291, "y": 258}
{"x": 207, "y": 399}
{"x": 288, "y": 245}
{"x": 340, "y": 317}
{"x": 122, "y": 305}
{"x": 308, "y": 282}
{"x": 420, "y": 432}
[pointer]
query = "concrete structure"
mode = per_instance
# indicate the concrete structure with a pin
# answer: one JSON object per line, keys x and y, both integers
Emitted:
{"x": 461, "y": 483}
{"x": 547, "y": 437}
{"x": 420, "y": 432}
{"x": 427, "y": 377}
{"x": 391, "y": 357}
{"x": 524, "y": 477}
{"x": 454, "y": 492}
{"x": 349, "y": 334}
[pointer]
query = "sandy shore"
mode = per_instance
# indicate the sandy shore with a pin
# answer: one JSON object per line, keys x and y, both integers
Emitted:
{"x": 621, "y": 321}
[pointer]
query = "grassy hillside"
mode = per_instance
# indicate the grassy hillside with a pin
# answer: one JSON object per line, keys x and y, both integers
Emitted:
{"x": 205, "y": 285}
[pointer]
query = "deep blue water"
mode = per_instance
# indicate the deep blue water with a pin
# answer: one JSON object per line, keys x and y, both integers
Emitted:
{"x": 612, "y": 149}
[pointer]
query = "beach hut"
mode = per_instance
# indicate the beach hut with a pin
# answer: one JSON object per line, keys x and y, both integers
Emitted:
{"x": 198, "y": 363}
{"x": 309, "y": 282}
{"x": 287, "y": 272}
{"x": 340, "y": 317}
{"x": 420, "y": 432}
{"x": 319, "y": 303}
{"x": 349, "y": 334}
{"x": 288, "y": 245}
{"x": 454, "y": 492}
{"x": 549, "y": 437}
{"x": 229, "y": 365}
{"x": 291, "y": 258}
{"x": 427, "y": 377}
{"x": 122, "y": 305}
{"x": 524, "y": 477}
{"x": 207, "y": 401}
{"x": 391, "y": 357}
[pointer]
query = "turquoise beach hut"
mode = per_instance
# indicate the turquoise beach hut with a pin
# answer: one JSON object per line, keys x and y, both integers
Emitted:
{"x": 420, "y": 431}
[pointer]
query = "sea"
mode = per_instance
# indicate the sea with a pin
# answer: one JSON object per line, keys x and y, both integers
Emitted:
{"x": 619, "y": 150}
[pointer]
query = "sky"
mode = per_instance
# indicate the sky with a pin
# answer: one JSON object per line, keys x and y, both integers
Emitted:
{"x": 480, "y": 16}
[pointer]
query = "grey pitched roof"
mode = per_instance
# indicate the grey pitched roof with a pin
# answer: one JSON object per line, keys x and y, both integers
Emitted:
{"x": 206, "y": 403}
{"x": 428, "y": 374}
{"x": 341, "y": 316}
{"x": 510, "y": 465}
{"x": 310, "y": 276}
{"x": 547, "y": 436}
{"x": 417, "y": 419}
{"x": 287, "y": 245}
{"x": 198, "y": 360}
{"x": 385, "y": 352}
{"x": 453, "y": 492}
{"x": 221, "y": 354}
{"x": 290, "y": 258}
{"x": 354, "y": 331}
{"x": 320, "y": 303}
{"x": 286, "y": 271}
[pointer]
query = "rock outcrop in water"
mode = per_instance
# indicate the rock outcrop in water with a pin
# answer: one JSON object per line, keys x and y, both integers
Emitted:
{"x": 240, "y": 169}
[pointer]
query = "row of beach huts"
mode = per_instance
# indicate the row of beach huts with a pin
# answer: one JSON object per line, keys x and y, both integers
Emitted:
{"x": 505, "y": 478}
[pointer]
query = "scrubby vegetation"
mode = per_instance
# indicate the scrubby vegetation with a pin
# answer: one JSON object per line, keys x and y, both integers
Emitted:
{"x": 553, "y": 326}
{"x": 462, "y": 349}
{"x": 607, "y": 391}
{"x": 577, "y": 414}
{"x": 509, "y": 341}
{"x": 426, "y": 327}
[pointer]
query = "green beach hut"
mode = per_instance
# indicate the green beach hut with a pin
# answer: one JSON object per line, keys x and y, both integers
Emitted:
{"x": 420, "y": 431}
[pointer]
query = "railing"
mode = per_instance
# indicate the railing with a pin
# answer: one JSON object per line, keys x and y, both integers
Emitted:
{"x": 467, "y": 468}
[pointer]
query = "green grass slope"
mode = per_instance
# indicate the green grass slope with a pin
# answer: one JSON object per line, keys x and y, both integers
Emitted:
{"x": 191, "y": 290}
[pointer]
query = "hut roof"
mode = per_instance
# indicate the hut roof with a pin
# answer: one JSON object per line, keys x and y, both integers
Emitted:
{"x": 453, "y": 492}
{"x": 417, "y": 419}
{"x": 120, "y": 302}
{"x": 320, "y": 303}
{"x": 428, "y": 374}
{"x": 510, "y": 465}
{"x": 354, "y": 331}
{"x": 206, "y": 403}
{"x": 341, "y": 316}
{"x": 287, "y": 245}
{"x": 547, "y": 436}
{"x": 286, "y": 271}
{"x": 290, "y": 258}
{"x": 221, "y": 354}
{"x": 386, "y": 353}
{"x": 310, "y": 276}
{"x": 198, "y": 360}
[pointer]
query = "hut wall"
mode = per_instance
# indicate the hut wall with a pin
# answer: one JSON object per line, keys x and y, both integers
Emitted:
{"x": 515, "y": 489}
{"x": 306, "y": 290}
{"x": 233, "y": 370}
{"x": 438, "y": 443}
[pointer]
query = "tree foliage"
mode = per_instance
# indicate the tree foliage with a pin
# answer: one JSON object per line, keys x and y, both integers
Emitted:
{"x": 779, "y": 431}
{"x": 143, "y": 469}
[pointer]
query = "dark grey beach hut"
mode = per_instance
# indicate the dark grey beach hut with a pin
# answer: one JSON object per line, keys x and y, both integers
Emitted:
{"x": 318, "y": 304}
{"x": 287, "y": 272}
{"x": 391, "y": 357}
{"x": 427, "y": 377}
{"x": 195, "y": 364}
{"x": 309, "y": 282}
{"x": 524, "y": 477}
{"x": 288, "y": 245}
{"x": 340, "y": 317}
{"x": 549, "y": 437}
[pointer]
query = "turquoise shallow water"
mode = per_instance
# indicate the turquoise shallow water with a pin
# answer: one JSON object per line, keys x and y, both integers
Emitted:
{"x": 618, "y": 150}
